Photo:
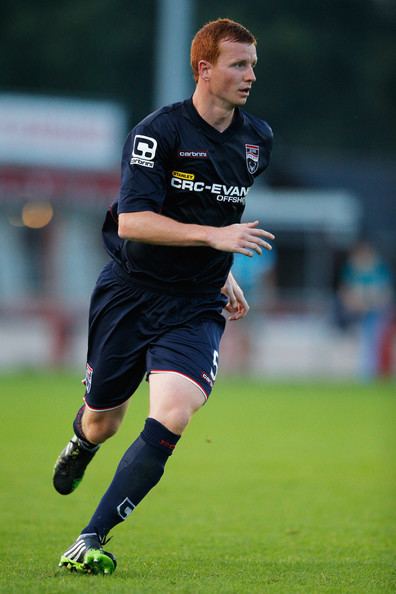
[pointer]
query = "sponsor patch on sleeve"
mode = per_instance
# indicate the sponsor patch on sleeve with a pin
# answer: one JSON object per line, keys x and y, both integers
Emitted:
{"x": 143, "y": 152}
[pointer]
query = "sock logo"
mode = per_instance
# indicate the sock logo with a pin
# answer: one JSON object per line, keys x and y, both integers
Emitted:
{"x": 167, "y": 444}
{"x": 125, "y": 508}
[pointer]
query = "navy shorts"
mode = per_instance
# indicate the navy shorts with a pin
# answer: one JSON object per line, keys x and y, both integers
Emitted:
{"x": 134, "y": 331}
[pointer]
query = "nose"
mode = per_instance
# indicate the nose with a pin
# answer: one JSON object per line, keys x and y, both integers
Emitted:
{"x": 250, "y": 76}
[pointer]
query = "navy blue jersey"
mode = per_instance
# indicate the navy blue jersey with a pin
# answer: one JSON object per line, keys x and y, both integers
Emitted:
{"x": 176, "y": 164}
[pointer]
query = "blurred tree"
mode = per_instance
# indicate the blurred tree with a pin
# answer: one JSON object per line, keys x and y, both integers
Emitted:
{"x": 101, "y": 48}
{"x": 327, "y": 68}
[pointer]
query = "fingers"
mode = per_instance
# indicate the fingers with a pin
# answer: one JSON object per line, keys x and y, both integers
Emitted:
{"x": 254, "y": 246}
{"x": 236, "y": 315}
{"x": 243, "y": 238}
{"x": 237, "y": 305}
{"x": 261, "y": 232}
{"x": 244, "y": 306}
{"x": 232, "y": 301}
{"x": 243, "y": 251}
{"x": 239, "y": 312}
{"x": 254, "y": 241}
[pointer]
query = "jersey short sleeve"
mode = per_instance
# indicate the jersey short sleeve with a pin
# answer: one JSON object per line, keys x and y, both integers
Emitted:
{"x": 143, "y": 168}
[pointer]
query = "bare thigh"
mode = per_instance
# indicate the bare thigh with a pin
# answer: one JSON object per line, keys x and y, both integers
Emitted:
{"x": 173, "y": 400}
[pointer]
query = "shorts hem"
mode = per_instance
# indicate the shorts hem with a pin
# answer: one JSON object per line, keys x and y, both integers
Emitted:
{"x": 187, "y": 377}
{"x": 105, "y": 409}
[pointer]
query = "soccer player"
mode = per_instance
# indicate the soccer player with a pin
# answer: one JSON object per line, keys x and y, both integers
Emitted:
{"x": 156, "y": 310}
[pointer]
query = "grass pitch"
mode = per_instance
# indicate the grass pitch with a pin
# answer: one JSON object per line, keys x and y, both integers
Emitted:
{"x": 272, "y": 489}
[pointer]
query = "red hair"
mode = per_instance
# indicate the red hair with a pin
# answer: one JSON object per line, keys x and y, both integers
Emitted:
{"x": 205, "y": 45}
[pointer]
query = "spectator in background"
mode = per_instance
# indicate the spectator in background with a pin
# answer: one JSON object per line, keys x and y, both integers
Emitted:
{"x": 365, "y": 300}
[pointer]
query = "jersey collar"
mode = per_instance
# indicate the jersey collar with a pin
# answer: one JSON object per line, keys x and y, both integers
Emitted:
{"x": 214, "y": 134}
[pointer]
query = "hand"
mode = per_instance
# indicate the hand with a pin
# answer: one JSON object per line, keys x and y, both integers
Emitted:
{"x": 242, "y": 238}
{"x": 237, "y": 305}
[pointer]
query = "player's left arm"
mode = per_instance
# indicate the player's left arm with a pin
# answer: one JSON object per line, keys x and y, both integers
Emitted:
{"x": 237, "y": 306}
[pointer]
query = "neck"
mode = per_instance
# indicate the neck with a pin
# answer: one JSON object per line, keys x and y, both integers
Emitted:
{"x": 217, "y": 116}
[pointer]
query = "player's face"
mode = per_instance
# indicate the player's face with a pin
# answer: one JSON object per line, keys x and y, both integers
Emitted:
{"x": 232, "y": 76}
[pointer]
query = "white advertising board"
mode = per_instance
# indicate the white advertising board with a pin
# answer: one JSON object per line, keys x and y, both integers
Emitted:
{"x": 59, "y": 132}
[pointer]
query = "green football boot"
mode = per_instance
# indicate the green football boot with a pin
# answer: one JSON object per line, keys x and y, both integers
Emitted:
{"x": 86, "y": 555}
{"x": 70, "y": 466}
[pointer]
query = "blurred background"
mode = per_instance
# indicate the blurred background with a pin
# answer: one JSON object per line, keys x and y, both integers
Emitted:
{"x": 76, "y": 76}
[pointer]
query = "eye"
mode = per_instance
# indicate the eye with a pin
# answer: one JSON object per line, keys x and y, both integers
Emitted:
{"x": 244, "y": 64}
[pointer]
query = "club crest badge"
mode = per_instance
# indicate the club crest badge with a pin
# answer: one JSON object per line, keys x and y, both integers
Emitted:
{"x": 252, "y": 157}
{"x": 88, "y": 378}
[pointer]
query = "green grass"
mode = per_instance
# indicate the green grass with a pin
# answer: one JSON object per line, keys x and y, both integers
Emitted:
{"x": 273, "y": 489}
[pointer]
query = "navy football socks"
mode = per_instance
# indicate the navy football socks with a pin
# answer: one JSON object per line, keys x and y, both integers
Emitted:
{"x": 138, "y": 472}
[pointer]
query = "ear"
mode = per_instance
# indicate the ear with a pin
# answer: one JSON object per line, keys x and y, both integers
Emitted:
{"x": 204, "y": 69}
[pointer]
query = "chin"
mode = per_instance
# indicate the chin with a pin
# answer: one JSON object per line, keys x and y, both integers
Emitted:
{"x": 237, "y": 102}
{"x": 241, "y": 102}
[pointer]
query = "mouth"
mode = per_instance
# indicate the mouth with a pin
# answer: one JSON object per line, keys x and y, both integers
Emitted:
{"x": 245, "y": 91}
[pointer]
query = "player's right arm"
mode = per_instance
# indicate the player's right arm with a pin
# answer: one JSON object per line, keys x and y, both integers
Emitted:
{"x": 143, "y": 192}
{"x": 153, "y": 228}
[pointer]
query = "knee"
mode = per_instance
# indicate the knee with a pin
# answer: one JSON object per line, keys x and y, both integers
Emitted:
{"x": 175, "y": 418}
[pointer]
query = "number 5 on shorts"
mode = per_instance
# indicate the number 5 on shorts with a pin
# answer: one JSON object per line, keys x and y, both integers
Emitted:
{"x": 213, "y": 371}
